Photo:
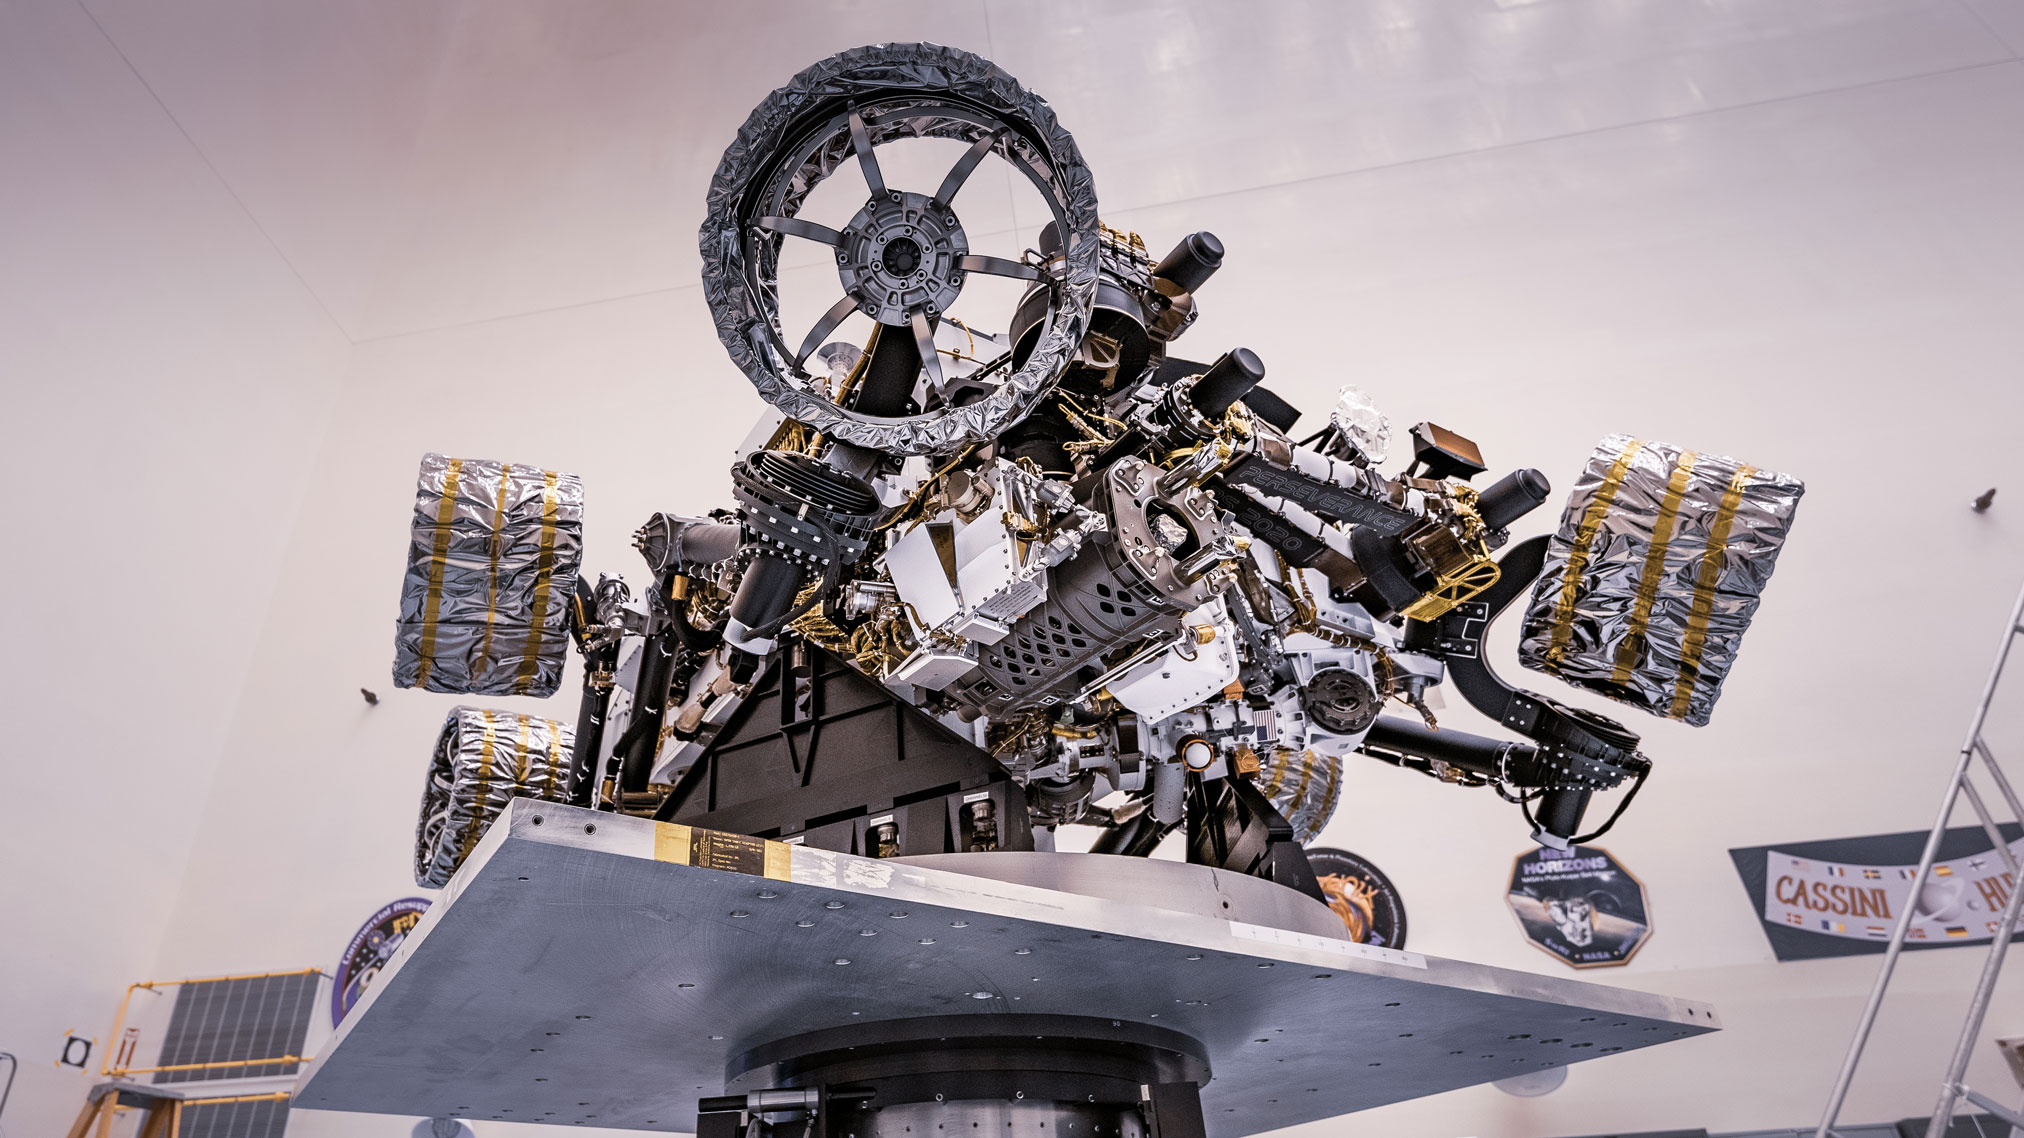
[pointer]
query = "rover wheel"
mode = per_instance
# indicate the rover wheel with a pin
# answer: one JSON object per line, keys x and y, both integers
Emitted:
{"x": 903, "y": 258}
{"x": 484, "y": 760}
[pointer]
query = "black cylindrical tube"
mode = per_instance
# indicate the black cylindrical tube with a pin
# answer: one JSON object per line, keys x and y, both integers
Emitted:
{"x": 1512, "y": 497}
{"x": 1382, "y": 561}
{"x": 650, "y": 702}
{"x": 590, "y": 715}
{"x": 1192, "y": 262}
{"x": 673, "y": 542}
{"x": 1559, "y": 811}
{"x": 1227, "y": 381}
{"x": 764, "y": 595}
{"x": 1136, "y": 836}
{"x": 888, "y": 383}
{"x": 1472, "y": 753}
{"x": 1050, "y": 240}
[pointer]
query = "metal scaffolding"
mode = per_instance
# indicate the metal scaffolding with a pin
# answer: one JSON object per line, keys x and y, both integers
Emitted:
{"x": 1952, "y": 1090}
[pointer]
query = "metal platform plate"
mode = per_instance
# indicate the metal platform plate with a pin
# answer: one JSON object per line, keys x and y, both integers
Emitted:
{"x": 590, "y": 968}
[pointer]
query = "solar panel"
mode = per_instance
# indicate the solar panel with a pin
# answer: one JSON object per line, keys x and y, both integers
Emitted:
{"x": 253, "y": 1017}
{"x": 265, "y": 1118}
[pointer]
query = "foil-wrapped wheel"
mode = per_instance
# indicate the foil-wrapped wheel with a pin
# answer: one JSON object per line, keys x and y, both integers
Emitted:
{"x": 484, "y": 760}
{"x": 903, "y": 258}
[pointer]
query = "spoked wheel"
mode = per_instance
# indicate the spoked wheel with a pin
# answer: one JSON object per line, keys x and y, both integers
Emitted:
{"x": 903, "y": 258}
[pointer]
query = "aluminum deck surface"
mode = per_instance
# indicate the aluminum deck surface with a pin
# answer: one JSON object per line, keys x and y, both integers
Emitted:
{"x": 589, "y": 968}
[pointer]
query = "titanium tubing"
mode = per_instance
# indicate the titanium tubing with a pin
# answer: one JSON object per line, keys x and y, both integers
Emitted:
{"x": 1950, "y": 1090}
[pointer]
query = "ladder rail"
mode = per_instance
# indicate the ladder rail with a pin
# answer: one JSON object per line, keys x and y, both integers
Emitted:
{"x": 1978, "y": 1009}
{"x": 1901, "y": 931}
{"x": 2001, "y": 780}
{"x": 1989, "y": 826}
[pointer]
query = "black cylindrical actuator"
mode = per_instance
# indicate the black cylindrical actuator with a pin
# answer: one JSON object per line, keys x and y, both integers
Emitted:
{"x": 1227, "y": 381}
{"x": 1472, "y": 753}
{"x": 764, "y": 595}
{"x": 1192, "y": 262}
{"x": 1559, "y": 812}
{"x": 1512, "y": 497}
{"x": 1050, "y": 240}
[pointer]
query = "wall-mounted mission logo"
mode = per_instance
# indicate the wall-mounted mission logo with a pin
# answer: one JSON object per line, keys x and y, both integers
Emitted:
{"x": 1579, "y": 905}
{"x": 369, "y": 950}
{"x": 1364, "y": 898}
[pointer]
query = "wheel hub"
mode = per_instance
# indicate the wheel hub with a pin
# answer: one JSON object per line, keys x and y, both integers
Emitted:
{"x": 902, "y": 253}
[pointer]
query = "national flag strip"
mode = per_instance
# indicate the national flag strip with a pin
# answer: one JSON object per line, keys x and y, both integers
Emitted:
{"x": 1956, "y": 930}
{"x": 1873, "y": 874}
{"x": 1876, "y": 930}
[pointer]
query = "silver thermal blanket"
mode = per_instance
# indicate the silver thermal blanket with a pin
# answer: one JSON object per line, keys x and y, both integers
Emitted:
{"x": 484, "y": 760}
{"x": 1304, "y": 786}
{"x": 1656, "y": 569}
{"x": 491, "y": 574}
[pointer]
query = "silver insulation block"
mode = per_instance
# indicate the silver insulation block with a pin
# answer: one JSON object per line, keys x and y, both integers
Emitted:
{"x": 484, "y": 760}
{"x": 1654, "y": 574}
{"x": 1304, "y": 786}
{"x": 491, "y": 574}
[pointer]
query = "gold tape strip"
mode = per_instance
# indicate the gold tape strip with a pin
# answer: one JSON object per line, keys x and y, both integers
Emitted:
{"x": 1654, "y": 569}
{"x": 1696, "y": 641}
{"x": 484, "y": 661}
{"x": 526, "y": 752}
{"x": 446, "y": 512}
{"x": 474, "y": 828}
{"x": 544, "y": 573}
{"x": 731, "y": 853}
{"x": 1280, "y": 758}
{"x": 671, "y": 843}
{"x": 1300, "y": 790}
{"x": 554, "y": 758}
{"x": 1329, "y": 797}
{"x": 1584, "y": 541}
{"x": 779, "y": 861}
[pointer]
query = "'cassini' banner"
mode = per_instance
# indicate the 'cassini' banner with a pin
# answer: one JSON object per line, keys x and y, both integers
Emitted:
{"x": 1842, "y": 897}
